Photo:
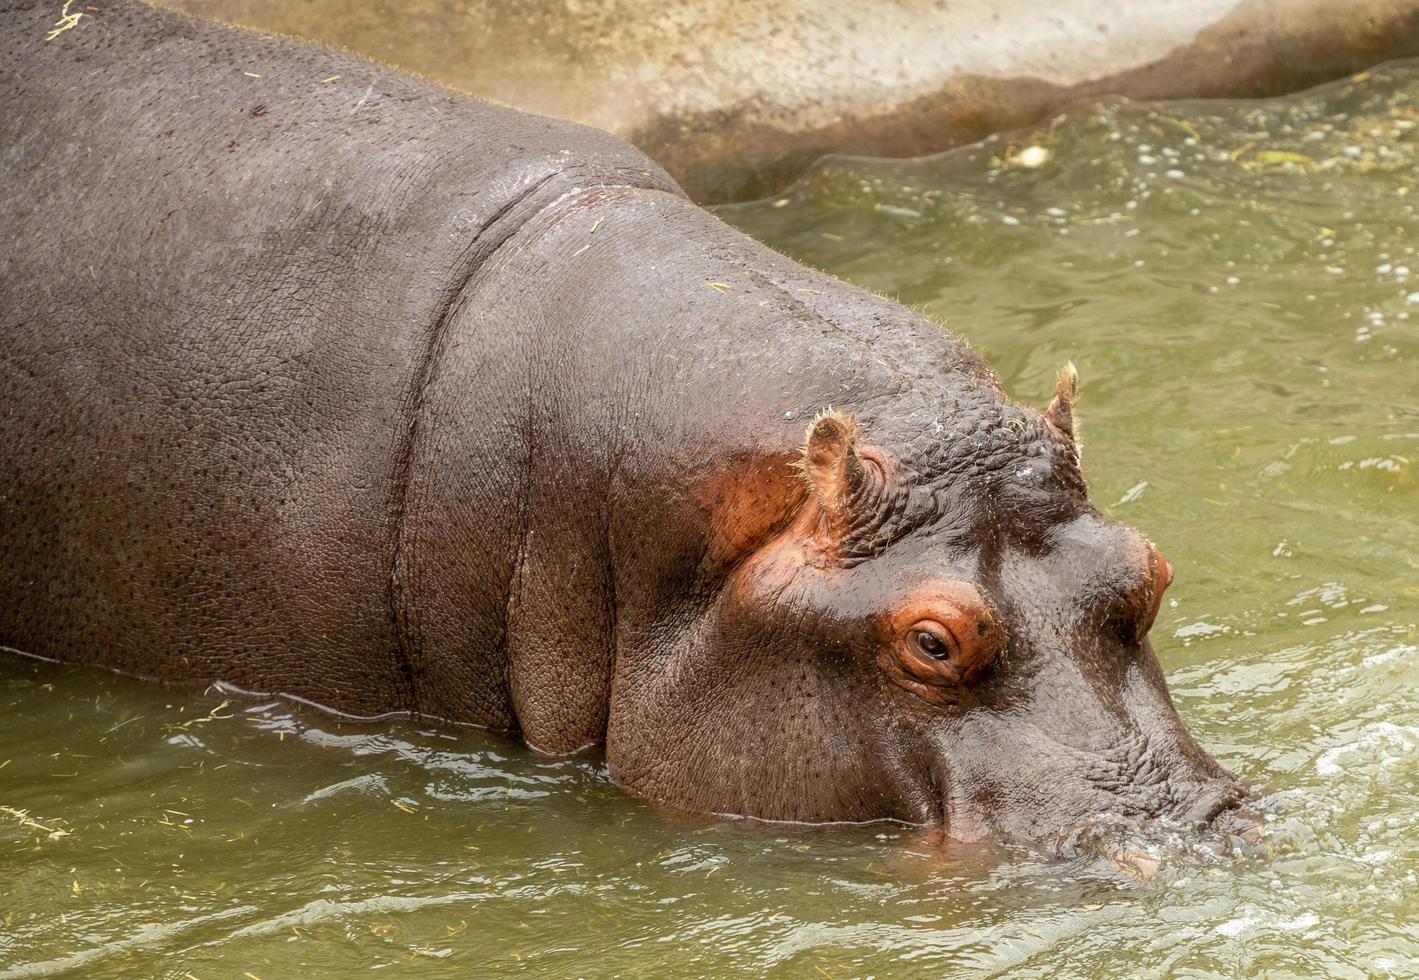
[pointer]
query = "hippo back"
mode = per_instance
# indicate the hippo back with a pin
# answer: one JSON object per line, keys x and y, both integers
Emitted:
{"x": 225, "y": 262}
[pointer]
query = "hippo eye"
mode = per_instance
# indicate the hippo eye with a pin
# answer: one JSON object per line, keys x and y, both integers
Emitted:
{"x": 932, "y": 645}
{"x": 940, "y": 641}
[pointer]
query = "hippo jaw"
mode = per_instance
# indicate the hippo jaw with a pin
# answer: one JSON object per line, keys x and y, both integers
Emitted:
{"x": 1032, "y": 788}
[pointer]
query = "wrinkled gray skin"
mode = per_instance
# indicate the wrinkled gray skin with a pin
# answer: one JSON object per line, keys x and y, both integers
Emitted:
{"x": 360, "y": 390}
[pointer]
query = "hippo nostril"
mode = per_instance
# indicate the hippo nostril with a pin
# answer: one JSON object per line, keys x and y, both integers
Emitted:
{"x": 1216, "y": 807}
{"x": 1215, "y": 799}
{"x": 1234, "y": 823}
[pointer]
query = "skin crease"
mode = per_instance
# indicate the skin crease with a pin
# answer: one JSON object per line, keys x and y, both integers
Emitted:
{"x": 375, "y": 395}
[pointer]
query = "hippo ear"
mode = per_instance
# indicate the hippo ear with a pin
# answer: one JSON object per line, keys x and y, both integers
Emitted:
{"x": 1060, "y": 412}
{"x": 831, "y": 465}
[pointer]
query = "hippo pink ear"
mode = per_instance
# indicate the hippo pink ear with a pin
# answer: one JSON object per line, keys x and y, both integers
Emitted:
{"x": 1060, "y": 412}
{"x": 832, "y": 466}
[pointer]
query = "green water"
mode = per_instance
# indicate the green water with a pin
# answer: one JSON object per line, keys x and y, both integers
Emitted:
{"x": 1238, "y": 285}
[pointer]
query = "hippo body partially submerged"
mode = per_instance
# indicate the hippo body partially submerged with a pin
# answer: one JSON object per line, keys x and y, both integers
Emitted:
{"x": 322, "y": 380}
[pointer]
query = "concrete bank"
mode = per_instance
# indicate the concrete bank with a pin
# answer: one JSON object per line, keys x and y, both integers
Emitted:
{"x": 736, "y": 97}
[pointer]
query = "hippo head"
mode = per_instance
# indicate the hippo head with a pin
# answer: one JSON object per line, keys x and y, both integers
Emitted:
{"x": 937, "y": 628}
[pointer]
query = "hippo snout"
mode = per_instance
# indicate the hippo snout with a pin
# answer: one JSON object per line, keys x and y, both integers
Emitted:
{"x": 1218, "y": 807}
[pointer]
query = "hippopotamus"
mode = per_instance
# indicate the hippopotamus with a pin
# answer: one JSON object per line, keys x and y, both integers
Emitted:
{"x": 326, "y": 381}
